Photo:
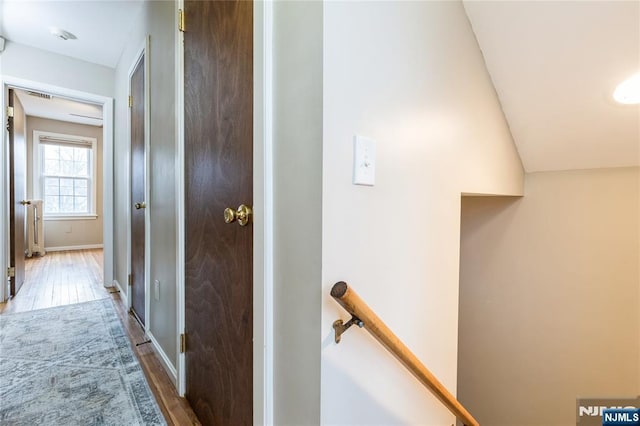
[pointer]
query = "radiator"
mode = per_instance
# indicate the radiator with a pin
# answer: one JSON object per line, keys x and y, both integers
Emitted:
{"x": 35, "y": 229}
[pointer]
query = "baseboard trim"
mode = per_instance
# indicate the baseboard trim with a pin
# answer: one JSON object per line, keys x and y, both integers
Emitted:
{"x": 166, "y": 363}
{"x": 123, "y": 295}
{"x": 67, "y": 248}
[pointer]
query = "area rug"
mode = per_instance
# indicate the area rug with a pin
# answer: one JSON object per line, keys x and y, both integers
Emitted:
{"x": 71, "y": 365}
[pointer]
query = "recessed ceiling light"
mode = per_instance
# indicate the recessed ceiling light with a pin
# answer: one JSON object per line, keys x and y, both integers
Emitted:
{"x": 628, "y": 92}
{"x": 61, "y": 34}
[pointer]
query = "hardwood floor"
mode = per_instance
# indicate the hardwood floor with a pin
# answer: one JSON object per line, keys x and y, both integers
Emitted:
{"x": 59, "y": 278}
{"x": 62, "y": 278}
{"x": 176, "y": 410}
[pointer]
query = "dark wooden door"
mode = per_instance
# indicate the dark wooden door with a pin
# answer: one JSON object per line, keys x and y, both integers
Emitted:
{"x": 17, "y": 192}
{"x": 219, "y": 173}
{"x": 137, "y": 192}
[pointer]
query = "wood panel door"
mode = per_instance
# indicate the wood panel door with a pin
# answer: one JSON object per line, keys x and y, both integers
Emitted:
{"x": 138, "y": 205}
{"x": 17, "y": 192}
{"x": 219, "y": 173}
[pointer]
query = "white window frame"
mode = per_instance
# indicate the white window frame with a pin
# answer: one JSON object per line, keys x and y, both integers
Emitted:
{"x": 37, "y": 165}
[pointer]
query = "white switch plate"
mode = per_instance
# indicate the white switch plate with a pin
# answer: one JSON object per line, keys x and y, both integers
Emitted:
{"x": 156, "y": 290}
{"x": 364, "y": 161}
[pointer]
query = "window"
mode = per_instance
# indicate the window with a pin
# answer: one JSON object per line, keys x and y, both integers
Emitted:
{"x": 64, "y": 174}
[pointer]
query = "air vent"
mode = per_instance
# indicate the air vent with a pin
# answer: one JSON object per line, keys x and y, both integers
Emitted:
{"x": 39, "y": 95}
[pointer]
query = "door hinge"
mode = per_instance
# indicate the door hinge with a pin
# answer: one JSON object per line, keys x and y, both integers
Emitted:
{"x": 130, "y": 101}
{"x": 183, "y": 343}
{"x": 181, "y": 20}
{"x": 130, "y": 279}
{"x": 10, "y": 112}
{"x": 11, "y": 272}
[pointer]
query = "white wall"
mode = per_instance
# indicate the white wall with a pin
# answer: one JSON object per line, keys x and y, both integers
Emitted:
{"x": 161, "y": 21}
{"x": 121, "y": 153}
{"x": 77, "y": 232}
{"x": 411, "y": 76}
{"x": 549, "y": 297}
{"x": 297, "y": 210}
{"x": 157, "y": 18}
{"x": 33, "y": 64}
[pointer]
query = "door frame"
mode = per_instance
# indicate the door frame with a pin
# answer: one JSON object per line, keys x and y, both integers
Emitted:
{"x": 107, "y": 169}
{"x": 143, "y": 50}
{"x": 263, "y": 386}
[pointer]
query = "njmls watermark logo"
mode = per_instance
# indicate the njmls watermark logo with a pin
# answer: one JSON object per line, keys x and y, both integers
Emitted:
{"x": 608, "y": 412}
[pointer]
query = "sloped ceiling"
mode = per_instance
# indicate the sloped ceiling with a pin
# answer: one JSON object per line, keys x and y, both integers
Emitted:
{"x": 555, "y": 66}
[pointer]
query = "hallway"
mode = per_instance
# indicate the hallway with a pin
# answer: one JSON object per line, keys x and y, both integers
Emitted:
{"x": 70, "y": 277}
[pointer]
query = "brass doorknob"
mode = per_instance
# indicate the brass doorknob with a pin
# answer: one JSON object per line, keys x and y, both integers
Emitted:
{"x": 141, "y": 205}
{"x": 25, "y": 202}
{"x": 242, "y": 215}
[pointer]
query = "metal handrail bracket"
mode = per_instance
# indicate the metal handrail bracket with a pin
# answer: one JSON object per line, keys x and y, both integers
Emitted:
{"x": 340, "y": 327}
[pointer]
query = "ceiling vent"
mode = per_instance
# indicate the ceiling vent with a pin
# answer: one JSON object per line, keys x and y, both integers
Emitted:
{"x": 39, "y": 95}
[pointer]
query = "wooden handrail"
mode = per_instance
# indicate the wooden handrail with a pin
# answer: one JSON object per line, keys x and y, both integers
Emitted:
{"x": 364, "y": 316}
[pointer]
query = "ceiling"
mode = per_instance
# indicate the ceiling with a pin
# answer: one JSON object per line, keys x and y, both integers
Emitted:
{"x": 101, "y": 27}
{"x": 60, "y": 108}
{"x": 555, "y": 65}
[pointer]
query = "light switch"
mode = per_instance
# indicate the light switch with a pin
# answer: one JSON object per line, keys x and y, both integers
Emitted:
{"x": 364, "y": 161}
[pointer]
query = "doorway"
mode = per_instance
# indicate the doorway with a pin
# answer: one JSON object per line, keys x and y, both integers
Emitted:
{"x": 106, "y": 163}
{"x": 56, "y": 156}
